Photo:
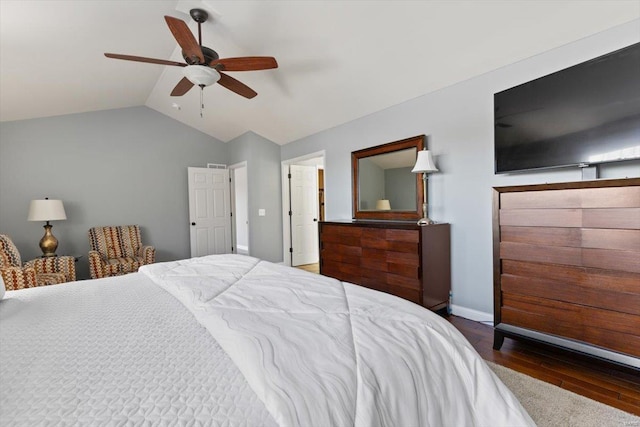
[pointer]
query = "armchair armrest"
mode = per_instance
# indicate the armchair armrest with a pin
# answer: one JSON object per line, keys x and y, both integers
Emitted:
{"x": 148, "y": 254}
{"x": 61, "y": 264}
{"x": 19, "y": 277}
{"x": 97, "y": 265}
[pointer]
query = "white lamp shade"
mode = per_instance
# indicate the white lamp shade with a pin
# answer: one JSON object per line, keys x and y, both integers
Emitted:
{"x": 424, "y": 163}
{"x": 383, "y": 205}
{"x": 201, "y": 75}
{"x": 46, "y": 210}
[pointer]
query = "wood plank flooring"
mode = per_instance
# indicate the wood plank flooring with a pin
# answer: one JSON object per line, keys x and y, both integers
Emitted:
{"x": 598, "y": 380}
{"x": 313, "y": 268}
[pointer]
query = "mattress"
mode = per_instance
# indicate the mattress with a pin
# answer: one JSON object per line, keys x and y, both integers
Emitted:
{"x": 233, "y": 340}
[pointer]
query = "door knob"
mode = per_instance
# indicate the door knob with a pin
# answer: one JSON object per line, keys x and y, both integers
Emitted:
{"x": 193, "y": 223}
{"x": 315, "y": 219}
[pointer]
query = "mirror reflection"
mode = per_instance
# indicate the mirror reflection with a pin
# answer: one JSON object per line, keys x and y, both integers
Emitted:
{"x": 386, "y": 182}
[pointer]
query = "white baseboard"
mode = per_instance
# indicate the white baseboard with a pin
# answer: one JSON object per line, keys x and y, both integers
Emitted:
{"x": 471, "y": 314}
{"x": 243, "y": 250}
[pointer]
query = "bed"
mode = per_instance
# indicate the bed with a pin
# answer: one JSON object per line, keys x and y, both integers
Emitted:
{"x": 233, "y": 340}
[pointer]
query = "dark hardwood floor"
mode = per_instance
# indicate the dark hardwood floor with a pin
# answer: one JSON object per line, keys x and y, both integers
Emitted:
{"x": 605, "y": 382}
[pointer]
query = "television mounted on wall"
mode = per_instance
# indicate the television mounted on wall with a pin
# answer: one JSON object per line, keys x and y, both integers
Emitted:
{"x": 583, "y": 115}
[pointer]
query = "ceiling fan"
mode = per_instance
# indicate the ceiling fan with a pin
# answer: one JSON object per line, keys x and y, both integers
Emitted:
{"x": 203, "y": 66}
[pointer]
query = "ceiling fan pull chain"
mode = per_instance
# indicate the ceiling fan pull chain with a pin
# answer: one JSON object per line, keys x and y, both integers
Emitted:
{"x": 201, "y": 99}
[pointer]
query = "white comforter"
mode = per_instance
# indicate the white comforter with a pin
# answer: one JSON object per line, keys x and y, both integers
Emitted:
{"x": 115, "y": 352}
{"x": 319, "y": 352}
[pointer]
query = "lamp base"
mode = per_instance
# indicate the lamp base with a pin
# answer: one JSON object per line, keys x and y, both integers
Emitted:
{"x": 48, "y": 243}
{"x": 426, "y": 221}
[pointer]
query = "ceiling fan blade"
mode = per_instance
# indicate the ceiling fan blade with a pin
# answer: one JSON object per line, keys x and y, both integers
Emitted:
{"x": 246, "y": 63}
{"x": 236, "y": 86}
{"x": 143, "y": 59}
{"x": 190, "y": 47}
{"x": 182, "y": 87}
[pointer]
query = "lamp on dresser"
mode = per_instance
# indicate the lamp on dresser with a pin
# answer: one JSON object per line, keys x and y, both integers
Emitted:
{"x": 425, "y": 165}
{"x": 47, "y": 210}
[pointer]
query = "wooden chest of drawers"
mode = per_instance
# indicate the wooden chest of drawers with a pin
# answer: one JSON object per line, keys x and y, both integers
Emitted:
{"x": 399, "y": 258}
{"x": 567, "y": 266}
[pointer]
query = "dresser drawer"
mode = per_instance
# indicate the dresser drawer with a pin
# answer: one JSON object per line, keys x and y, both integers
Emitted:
{"x": 606, "y": 328}
{"x": 412, "y": 271}
{"x": 583, "y": 198}
{"x": 566, "y": 291}
{"x": 390, "y": 240}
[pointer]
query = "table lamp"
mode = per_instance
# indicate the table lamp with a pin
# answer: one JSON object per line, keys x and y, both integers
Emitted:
{"x": 47, "y": 210}
{"x": 424, "y": 165}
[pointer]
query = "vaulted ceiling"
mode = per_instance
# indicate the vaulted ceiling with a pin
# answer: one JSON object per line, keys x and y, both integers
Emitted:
{"x": 338, "y": 60}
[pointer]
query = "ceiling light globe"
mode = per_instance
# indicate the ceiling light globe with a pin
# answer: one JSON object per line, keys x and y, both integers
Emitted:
{"x": 201, "y": 75}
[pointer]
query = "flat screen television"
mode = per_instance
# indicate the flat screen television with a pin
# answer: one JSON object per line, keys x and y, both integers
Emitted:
{"x": 583, "y": 115}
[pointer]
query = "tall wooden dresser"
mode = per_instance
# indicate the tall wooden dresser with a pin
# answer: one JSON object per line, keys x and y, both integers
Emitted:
{"x": 567, "y": 266}
{"x": 400, "y": 258}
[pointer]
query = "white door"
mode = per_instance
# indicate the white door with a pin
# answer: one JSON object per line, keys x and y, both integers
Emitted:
{"x": 209, "y": 211}
{"x": 304, "y": 214}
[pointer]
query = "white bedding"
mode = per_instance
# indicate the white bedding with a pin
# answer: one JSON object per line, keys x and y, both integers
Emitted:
{"x": 115, "y": 351}
{"x": 292, "y": 347}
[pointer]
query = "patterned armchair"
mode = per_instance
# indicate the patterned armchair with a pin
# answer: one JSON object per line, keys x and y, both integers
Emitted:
{"x": 117, "y": 250}
{"x": 37, "y": 272}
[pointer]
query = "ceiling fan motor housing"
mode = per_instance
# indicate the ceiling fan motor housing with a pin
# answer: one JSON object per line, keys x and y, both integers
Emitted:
{"x": 209, "y": 55}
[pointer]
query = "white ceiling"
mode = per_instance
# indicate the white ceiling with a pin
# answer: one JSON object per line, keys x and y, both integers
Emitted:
{"x": 398, "y": 159}
{"x": 339, "y": 60}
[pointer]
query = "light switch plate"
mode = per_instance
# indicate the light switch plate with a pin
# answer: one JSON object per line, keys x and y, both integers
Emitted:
{"x": 262, "y": 212}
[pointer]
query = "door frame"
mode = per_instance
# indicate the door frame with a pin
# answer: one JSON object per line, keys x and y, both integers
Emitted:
{"x": 286, "y": 199}
{"x": 234, "y": 231}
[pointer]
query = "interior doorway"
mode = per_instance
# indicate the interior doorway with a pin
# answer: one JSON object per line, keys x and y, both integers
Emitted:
{"x": 239, "y": 208}
{"x": 302, "y": 208}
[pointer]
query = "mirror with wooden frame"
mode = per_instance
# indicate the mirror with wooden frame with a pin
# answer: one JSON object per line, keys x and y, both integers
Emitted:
{"x": 384, "y": 188}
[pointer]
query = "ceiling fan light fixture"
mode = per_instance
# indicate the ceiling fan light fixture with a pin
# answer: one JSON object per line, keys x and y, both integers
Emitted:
{"x": 202, "y": 63}
{"x": 201, "y": 75}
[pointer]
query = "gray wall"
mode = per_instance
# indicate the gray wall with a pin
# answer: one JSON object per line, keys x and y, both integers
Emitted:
{"x": 265, "y": 192}
{"x": 459, "y": 123}
{"x": 400, "y": 188}
{"x": 124, "y": 166}
{"x": 371, "y": 182}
